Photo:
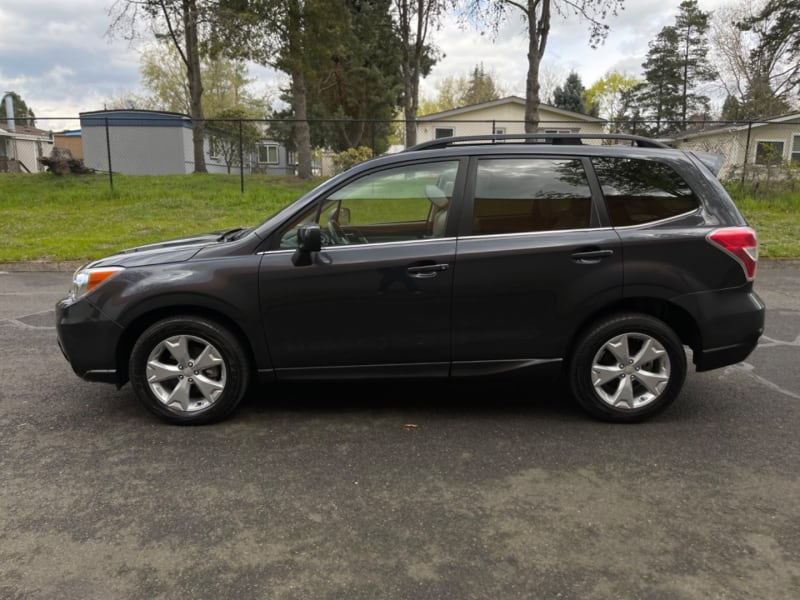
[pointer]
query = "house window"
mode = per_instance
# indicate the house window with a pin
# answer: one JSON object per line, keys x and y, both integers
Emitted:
{"x": 795, "y": 149}
{"x": 499, "y": 130}
{"x": 213, "y": 147}
{"x": 557, "y": 131}
{"x": 443, "y": 132}
{"x": 268, "y": 154}
{"x": 769, "y": 152}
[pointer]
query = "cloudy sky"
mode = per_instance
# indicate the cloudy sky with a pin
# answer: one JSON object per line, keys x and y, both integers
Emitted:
{"x": 59, "y": 58}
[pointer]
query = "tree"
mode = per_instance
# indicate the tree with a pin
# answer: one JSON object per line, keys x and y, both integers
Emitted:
{"x": 691, "y": 26}
{"x": 355, "y": 86}
{"x": 233, "y": 136}
{"x": 538, "y": 15}
{"x": 181, "y": 24}
{"x": 414, "y": 20}
{"x": 780, "y": 36}
{"x": 757, "y": 75}
{"x": 573, "y": 97}
{"x": 225, "y": 85}
{"x": 477, "y": 87}
{"x": 614, "y": 94}
{"x": 22, "y": 114}
{"x": 659, "y": 97}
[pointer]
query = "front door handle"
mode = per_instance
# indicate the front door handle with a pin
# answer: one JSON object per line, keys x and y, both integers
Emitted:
{"x": 591, "y": 256}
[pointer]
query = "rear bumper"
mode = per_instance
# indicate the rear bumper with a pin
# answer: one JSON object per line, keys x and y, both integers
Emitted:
{"x": 730, "y": 323}
{"x": 88, "y": 340}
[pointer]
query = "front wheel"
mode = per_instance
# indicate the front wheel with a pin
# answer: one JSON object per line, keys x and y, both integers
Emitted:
{"x": 627, "y": 367}
{"x": 189, "y": 370}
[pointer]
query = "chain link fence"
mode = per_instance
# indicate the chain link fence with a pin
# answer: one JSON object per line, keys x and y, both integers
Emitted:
{"x": 155, "y": 143}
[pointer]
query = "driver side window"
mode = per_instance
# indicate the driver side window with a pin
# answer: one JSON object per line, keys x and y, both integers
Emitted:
{"x": 401, "y": 203}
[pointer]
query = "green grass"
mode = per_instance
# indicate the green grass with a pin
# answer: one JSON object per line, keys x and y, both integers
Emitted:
{"x": 776, "y": 219}
{"x": 45, "y": 217}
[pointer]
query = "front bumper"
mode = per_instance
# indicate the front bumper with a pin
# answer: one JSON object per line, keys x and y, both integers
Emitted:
{"x": 88, "y": 340}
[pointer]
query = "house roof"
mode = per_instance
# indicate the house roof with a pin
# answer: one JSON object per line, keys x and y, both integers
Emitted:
{"x": 462, "y": 110}
{"x": 732, "y": 126}
{"x": 134, "y": 118}
{"x": 23, "y": 131}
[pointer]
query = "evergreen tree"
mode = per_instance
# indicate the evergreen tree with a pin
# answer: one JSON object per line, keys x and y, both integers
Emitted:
{"x": 22, "y": 114}
{"x": 659, "y": 97}
{"x": 691, "y": 25}
{"x": 731, "y": 109}
{"x": 352, "y": 77}
{"x": 570, "y": 97}
{"x": 573, "y": 96}
{"x": 480, "y": 87}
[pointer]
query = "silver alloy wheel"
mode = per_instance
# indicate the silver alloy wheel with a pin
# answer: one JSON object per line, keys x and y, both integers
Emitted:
{"x": 186, "y": 373}
{"x": 631, "y": 370}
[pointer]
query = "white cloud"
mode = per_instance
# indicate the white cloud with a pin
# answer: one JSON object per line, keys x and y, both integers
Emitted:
{"x": 59, "y": 57}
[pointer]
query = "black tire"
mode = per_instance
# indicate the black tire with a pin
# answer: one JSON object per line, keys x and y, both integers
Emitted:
{"x": 627, "y": 367}
{"x": 207, "y": 388}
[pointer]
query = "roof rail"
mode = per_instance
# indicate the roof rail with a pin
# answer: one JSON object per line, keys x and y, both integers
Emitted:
{"x": 569, "y": 139}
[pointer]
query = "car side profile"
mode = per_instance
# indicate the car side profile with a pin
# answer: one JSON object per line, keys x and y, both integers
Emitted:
{"x": 605, "y": 258}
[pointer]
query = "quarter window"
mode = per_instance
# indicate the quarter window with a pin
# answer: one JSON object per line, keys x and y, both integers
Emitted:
{"x": 519, "y": 195}
{"x": 641, "y": 191}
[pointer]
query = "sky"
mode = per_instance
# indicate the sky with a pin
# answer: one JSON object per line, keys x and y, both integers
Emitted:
{"x": 59, "y": 57}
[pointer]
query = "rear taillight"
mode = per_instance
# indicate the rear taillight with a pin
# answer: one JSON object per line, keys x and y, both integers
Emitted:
{"x": 741, "y": 243}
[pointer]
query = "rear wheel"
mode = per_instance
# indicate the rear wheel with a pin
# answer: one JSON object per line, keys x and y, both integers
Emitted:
{"x": 627, "y": 367}
{"x": 189, "y": 370}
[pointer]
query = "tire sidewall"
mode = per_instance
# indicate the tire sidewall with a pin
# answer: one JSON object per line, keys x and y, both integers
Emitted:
{"x": 236, "y": 365}
{"x": 595, "y": 337}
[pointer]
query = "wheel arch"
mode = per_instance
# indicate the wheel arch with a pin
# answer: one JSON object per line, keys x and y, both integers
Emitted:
{"x": 137, "y": 326}
{"x": 677, "y": 318}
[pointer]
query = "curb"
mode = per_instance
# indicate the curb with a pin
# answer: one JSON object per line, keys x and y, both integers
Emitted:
{"x": 41, "y": 266}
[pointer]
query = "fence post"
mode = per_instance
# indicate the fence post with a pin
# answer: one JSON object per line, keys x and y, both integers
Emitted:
{"x": 108, "y": 153}
{"x": 241, "y": 158}
{"x": 746, "y": 152}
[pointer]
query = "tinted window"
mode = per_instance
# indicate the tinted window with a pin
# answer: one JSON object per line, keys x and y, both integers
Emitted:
{"x": 516, "y": 195}
{"x": 640, "y": 191}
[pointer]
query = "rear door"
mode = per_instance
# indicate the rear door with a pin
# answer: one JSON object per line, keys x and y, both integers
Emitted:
{"x": 534, "y": 261}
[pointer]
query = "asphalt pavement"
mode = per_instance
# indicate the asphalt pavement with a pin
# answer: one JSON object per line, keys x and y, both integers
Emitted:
{"x": 498, "y": 490}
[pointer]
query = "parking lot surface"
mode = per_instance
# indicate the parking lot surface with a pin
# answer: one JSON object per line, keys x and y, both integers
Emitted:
{"x": 499, "y": 489}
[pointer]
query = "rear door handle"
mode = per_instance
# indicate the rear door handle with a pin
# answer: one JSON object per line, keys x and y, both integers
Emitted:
{"x": 427, "y": 271}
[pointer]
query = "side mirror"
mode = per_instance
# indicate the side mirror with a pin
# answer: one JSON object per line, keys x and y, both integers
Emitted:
{"x": 309, "y": 239}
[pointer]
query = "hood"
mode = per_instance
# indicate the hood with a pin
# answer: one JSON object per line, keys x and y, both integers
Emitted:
{"x": 174, "y": 250}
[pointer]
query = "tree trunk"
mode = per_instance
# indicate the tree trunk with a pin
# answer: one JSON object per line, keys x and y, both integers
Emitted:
{"x": 302, "y": 131}
{"x": 539, "y": 28}
{"x": 190, "y": 20}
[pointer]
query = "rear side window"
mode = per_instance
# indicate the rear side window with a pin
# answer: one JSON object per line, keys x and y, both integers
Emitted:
{"x": 640, "y": 191}
{"x": 518, "y": 195}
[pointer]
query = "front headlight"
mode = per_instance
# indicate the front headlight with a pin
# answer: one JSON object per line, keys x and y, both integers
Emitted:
{"x": 85, "y": 280}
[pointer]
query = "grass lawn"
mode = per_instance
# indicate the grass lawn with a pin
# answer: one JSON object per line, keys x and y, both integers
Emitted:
{"x": 45, "y": 217}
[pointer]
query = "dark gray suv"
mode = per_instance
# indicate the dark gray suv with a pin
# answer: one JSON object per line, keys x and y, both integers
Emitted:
{"x": 604, "y": 257}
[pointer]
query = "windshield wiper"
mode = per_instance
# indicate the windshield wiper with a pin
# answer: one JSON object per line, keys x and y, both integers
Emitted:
{"x": 233, "y": 234}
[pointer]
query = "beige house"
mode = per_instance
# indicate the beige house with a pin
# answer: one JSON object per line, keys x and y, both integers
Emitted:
{"x": 751, "y": 146}
{"x": 506, "y": 115}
